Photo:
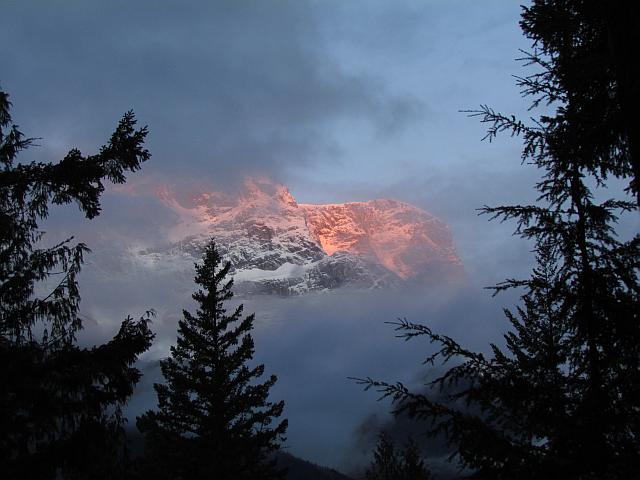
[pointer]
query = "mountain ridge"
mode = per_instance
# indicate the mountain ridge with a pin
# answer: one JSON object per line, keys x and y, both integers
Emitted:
{"x": 279, "y": 246}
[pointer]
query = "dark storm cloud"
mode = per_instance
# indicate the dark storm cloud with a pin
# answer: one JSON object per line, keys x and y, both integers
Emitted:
{"x": 224, "y": 86}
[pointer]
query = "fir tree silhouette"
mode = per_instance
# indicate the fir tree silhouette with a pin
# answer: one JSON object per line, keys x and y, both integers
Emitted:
{"x": 60, "y": 405}
{"x": 562, "y": 399}
{"x": 214, "y": 419}
{"x": 390, "y": 463}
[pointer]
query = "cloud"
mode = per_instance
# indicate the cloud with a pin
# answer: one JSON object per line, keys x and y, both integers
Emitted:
{"x": 313, "y": 343}
{"x": 353, "y": 103}
{"x": 226, "y": 87}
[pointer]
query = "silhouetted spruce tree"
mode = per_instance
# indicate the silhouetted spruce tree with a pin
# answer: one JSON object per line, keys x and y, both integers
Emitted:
{"x": 214, "y": 419}
{"x": 391, "y": 464}
{"x": 59, "y": 403}
{"x": 584, "y": 49}
{"x": 413, "y": 466}
{"x": 563, "y": 400}
{"x": 385, "y": 464}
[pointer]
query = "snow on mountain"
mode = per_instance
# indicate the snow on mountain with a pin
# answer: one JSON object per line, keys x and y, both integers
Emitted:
{"x": 401, "y": 237}
{"x": 277, "y": 246}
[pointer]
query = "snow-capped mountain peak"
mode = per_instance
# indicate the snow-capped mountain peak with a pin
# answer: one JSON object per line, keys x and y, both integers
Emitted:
{"x": 276, "y": 245}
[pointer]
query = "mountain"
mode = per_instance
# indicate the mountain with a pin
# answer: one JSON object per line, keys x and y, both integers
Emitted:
{"x": 402, "y": 238}
{"x": 299, "y": 469}
{"x": 277, "y": 246}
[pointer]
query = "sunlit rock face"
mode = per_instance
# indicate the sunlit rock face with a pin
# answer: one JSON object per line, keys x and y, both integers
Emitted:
{"x": 277, "y": 246}
{"x": 404, "y": 239}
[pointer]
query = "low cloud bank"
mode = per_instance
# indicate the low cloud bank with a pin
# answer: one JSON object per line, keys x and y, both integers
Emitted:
{"x": 313, "y": 343}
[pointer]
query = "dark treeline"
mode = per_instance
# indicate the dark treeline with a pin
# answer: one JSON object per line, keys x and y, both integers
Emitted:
{"x": 561, "y": 400}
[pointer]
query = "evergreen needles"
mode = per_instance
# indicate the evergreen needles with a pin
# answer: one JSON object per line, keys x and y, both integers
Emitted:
{"x": 214, "y": 419}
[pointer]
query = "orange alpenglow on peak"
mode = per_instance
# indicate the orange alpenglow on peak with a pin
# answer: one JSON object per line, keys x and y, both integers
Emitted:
{"x": 269, "y": 236}
{"x": 403, "y": 238}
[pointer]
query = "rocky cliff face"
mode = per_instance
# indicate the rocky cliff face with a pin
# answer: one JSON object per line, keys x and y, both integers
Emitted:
{"x": 402, "y": 238}
{"x": 277, "y": 246}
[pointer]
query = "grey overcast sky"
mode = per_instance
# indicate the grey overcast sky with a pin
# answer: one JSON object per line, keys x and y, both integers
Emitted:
{"x": 340, "y": 100}
{"x": 358, "y": 94}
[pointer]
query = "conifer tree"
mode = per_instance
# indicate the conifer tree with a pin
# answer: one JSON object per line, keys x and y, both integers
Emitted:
{"x": 413, "y": 466}
{"x": 59, "y": 403}
{"x": 385, "y": 464}
{"x": 214, "y": 419}
{"x": 391, "y": 464}
{"x": 563, "y": 399}
{"x": 584, "y": 49}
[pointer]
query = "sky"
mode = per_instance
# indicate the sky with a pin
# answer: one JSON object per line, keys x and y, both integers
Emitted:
{"x": 339, "y": 100}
